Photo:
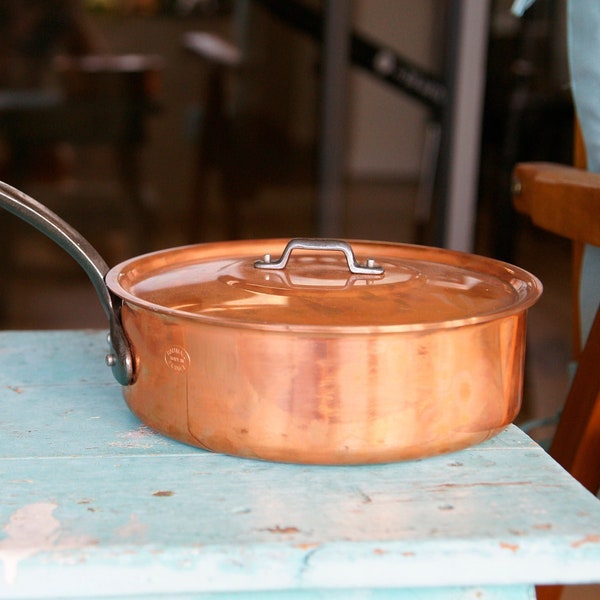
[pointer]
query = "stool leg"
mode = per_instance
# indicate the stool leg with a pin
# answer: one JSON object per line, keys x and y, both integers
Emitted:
{"x": 127, "y": 163}
{"x": 576, "y": 443}
{"x": 211, "y": 145}
{"x": 549, "y": 592}
{"x": 5, "y": 270}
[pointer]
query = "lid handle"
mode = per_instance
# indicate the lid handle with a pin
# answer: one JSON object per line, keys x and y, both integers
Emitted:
{"x": 367, "y": 268}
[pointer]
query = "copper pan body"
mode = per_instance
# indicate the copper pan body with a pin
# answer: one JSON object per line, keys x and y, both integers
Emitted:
{"x": 321, "y": 395}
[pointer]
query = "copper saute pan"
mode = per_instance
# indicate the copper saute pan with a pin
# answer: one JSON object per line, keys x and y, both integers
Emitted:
{"x": 301, "y": 352}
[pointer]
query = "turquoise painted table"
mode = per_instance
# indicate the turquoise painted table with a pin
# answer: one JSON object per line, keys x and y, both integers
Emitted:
{"x": 94, "y": 504}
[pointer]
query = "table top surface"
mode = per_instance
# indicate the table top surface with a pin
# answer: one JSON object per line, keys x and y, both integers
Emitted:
{"x": 87, "y": 487}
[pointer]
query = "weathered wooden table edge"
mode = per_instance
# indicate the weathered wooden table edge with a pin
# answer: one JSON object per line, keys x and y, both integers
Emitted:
{"x": 166, "y": 518}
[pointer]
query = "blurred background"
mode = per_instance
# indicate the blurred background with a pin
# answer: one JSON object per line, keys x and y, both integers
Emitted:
{"x": 148, "y": 124}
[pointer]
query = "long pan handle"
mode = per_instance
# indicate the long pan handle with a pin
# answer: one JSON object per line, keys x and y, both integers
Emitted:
{"x": 52, "y": 226}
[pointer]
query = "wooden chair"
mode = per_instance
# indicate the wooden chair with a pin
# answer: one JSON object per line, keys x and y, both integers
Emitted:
{"x": 566, "y": 201}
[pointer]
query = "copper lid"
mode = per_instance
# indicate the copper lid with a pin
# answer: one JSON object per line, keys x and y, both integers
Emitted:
{"x": 397, "y": 287}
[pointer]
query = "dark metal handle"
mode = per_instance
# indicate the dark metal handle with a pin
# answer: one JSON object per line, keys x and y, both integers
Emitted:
{"x": 368, "y": 268}
{"x": 70, "y": 240}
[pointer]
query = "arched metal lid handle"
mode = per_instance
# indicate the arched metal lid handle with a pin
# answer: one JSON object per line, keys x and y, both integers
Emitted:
{"x": 367, "y": 268}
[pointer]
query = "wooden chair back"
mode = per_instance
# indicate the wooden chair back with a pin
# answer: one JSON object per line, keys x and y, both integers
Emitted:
{"x": 566, "y": 201}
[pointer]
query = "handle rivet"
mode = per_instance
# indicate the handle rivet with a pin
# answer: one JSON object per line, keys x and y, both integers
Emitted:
{"x": 111, "y": 360}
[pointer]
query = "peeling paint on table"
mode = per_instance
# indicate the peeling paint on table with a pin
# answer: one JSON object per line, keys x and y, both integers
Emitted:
{"x": 95, "y": 504}
{"x": 33, "y": 529}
